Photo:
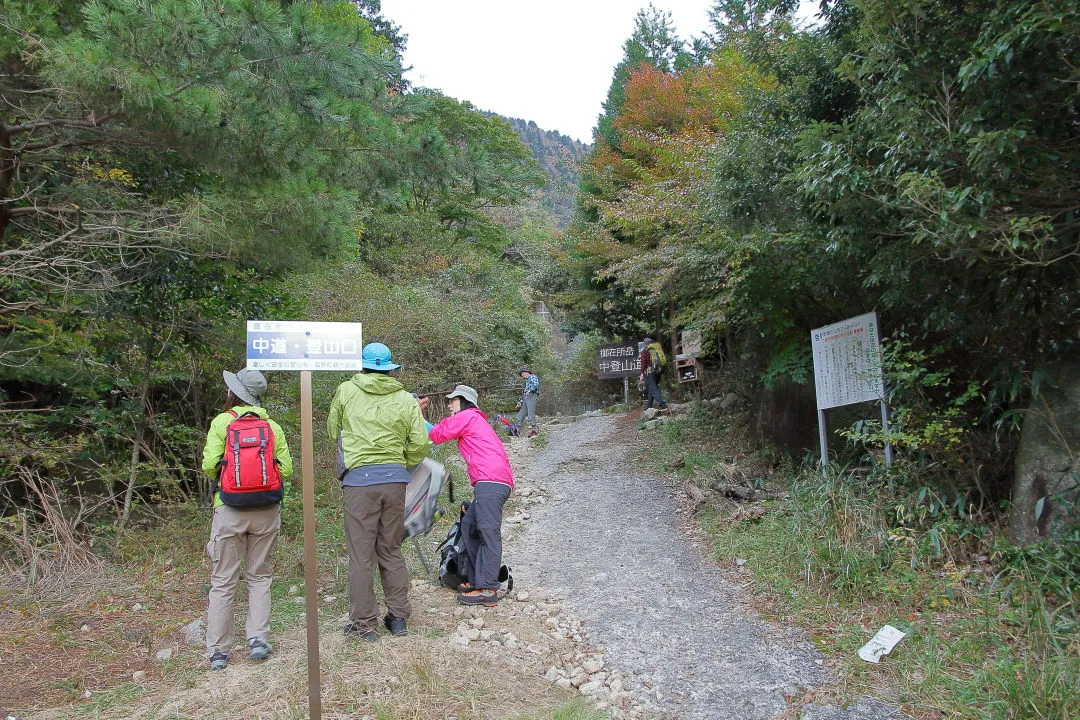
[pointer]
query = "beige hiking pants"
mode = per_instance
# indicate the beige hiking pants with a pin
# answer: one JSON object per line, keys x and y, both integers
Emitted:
{"x": 246, "y": 537}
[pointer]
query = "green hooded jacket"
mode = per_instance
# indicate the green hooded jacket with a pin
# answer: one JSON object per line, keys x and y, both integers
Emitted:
{"x": 380, "y": 422}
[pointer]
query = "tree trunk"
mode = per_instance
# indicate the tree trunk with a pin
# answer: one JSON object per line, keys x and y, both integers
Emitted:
{"x": 140, "y": 430}
{"x": 1046, "y": 474}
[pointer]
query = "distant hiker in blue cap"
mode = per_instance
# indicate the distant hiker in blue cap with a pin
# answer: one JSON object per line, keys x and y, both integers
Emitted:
{"x": 380, "y": 432}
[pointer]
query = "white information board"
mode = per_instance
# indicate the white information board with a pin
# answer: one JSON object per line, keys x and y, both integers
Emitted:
{"x": 691, "y": 343}
{"x": 847, "y": 362}
{"x": 301, "y": 345}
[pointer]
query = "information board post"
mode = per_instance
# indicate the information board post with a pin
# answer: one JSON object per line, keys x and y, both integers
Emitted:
{"x": 626, "y": 390}
{"x": 286, "y": 345}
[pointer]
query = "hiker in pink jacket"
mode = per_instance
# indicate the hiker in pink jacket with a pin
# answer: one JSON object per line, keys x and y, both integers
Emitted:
{"x": 492, "y": 482}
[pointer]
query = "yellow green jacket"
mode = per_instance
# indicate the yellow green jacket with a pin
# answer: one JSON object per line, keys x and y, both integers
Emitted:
{"x": 214, "y": 450}
{"x": 380, "y": 423}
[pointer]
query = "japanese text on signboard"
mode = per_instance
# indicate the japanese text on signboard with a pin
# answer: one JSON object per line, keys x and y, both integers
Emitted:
{"x": 298, "y": 345}
{"x": 618, "y": 360}
{"x": 847, "y": 362}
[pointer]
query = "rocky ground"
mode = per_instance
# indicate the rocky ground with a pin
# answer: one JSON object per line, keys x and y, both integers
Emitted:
{"x": 663, "y": 632}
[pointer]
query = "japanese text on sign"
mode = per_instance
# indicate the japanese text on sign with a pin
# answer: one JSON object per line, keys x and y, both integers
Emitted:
{"x": 618, "y": 360}
{"x": 298, "y": 345}
{"x": 847, "y": 362}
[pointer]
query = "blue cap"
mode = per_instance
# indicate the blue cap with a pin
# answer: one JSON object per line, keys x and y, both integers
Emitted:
{"x": 376, "y": 356}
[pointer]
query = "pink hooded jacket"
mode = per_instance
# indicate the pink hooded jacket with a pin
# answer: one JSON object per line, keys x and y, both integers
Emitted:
{"x": 485, "y": 456}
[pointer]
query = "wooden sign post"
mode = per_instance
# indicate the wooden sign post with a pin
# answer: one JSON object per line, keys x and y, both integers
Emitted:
{"x": 306, "y": 346}
{"x": 311, "y": 590}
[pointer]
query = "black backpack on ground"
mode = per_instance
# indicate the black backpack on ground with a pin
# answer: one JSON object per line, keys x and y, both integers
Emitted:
{"x": 454, "y": 565}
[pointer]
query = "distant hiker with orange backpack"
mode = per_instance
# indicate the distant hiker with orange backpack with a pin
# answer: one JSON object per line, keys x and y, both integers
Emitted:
{"x": 492, "y": 482}
{"x": 246, "y": 451}
{"x": 653, "y": 362}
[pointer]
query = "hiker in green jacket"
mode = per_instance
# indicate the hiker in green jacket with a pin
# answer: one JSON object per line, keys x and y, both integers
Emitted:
{"x": 380, "y": 432}
{"x": 238, "y": 536}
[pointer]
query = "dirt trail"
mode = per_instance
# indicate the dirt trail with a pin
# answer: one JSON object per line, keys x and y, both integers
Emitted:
{"x": 609, "y": 547}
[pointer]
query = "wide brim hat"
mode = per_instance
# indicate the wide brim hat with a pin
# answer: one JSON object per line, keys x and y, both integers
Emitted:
{"x": 466, "y": 392}
{"x": 247, "y": 385}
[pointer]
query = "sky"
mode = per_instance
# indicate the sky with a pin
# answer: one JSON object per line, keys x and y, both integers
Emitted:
{"x": 550, "y": 62}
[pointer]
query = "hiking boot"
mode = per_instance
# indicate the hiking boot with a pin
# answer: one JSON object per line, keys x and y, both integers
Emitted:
{"x": 533, "y": 433}
{"x": 219, "y": 661}
{"x": 465, "y": 587}
{"x": 480, "y": 596}
{"x": 396, "y": 625}
{"x": 259, "y": 649}
{"x": 353, "y": 631}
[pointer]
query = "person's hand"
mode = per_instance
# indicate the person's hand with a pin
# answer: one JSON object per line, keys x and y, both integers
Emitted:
{"x": 518, "y": 406}
{"x": 423, "y": 402}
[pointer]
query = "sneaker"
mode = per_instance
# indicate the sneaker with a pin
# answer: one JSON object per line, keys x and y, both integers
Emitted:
{"x": 259, "y": 649}
{"x": 395, "y": 625}
{"x": 219, "y": 661}
{"x": 480, "y": 596}
{"x": 353, "y": 631}
{"x": 465, "y": 587}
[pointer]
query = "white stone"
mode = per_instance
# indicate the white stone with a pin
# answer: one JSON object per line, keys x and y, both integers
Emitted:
{"x": 471, "y": 634}
{"x": 138, "y": 675}
{"x": 552, "y": 674}
{"x": 523, "y": 596}
{"x": 329, "y": 598}
{"x": 294, "y": 589}
{"x": 164, "y": 654}
{"x": 477, "y": 622}
{"x": 136, "y": 607}
{"x": 85, "y": 628}
{"x": 590, "y": 688}
{"x": 564, "y": 682}
{"x": 459, "y": 641}
{"x": 593, "y": 666}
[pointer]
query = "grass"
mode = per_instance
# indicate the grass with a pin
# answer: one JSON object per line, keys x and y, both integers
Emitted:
{"x": 88, "y": 638}
{"x": 991, "y": 631}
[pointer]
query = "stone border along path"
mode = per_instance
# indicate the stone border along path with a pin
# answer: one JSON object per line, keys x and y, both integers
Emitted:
{"x": 662, "y": 633}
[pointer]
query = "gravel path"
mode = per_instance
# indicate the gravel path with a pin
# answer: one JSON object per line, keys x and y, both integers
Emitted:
{"x": 608, "y": 545}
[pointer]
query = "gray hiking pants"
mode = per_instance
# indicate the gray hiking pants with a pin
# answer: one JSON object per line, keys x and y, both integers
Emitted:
{"x": 528, "y": 405}
{"x": 374, "y": 531}
{"x": 482, "y": 532}
{"x": 654, "y": 391}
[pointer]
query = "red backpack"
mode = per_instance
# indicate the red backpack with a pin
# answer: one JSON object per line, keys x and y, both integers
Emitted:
{"x": 249, "y": 474}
